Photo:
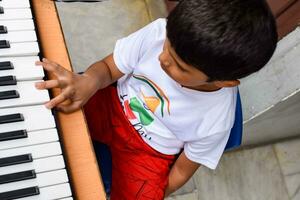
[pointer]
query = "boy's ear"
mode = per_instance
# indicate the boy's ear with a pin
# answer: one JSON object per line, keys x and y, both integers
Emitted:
{"x": 230, "y": 83}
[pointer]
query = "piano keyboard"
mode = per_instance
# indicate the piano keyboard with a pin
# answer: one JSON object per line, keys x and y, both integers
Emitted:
{"x": 31, "y": 161}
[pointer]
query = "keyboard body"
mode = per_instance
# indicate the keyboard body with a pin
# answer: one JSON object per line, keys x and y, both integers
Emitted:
{"x": 41, "y": 157}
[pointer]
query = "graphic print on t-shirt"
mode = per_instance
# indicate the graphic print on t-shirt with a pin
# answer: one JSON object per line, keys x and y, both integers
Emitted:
{"x": 152, "y": 102}
{"x": 156, "y": 102}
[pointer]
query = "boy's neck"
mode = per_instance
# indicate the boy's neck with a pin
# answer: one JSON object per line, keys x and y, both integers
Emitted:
{"x": 205, "y": 88}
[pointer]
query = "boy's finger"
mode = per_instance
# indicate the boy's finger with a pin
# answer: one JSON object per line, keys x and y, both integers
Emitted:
{"x": 56, "y": 100}
{"x": 69, "y": 108}
{"x": 38, "y": 62}
{"x": 47, "y": 66}
{"x": 47, "y": 84}
{"x": 51, "y": 66}
{"x": 45, "y": 60}
{"x": 48, "y": 61}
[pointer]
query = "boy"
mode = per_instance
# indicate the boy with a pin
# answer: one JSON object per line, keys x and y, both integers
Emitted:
{"x": 176, "y": 81}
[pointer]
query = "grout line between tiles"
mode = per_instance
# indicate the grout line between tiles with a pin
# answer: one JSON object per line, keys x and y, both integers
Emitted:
{"x": 148, "y": 11}
{"x": 281, "y": 172}
{"x": 296, "y": 192}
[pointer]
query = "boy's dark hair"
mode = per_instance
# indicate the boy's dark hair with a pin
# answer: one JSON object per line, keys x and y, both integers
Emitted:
{"x": 225, "y": 39}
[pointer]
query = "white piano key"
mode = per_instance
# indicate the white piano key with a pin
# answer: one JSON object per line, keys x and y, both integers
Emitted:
{"x": 15, "y": 3}
{"x": 18, "y": 25}
{"x": 37, "y": 151}
{"x": 52, "y": 192}
{"x": 41, "y": 180}
{"x": 21, "y": 49}
{"x": 24, "y": 68}
{"x": 16, "y": 14}
{"x": 39, "y": 165}
{"x": 29, "y": 95}
{"x": 19, "y": 36}
{"x": 33, "y": 138}
{"x": 35, "y": 118}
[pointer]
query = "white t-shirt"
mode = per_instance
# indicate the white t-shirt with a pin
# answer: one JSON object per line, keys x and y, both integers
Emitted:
{"x": 170, "y": 117}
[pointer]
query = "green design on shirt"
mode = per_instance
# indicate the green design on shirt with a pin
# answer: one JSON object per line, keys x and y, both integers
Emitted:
{"x": 136, "y": 106}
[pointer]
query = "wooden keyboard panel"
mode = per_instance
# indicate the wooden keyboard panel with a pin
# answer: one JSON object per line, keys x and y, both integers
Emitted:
{"x": 79, "y": 153}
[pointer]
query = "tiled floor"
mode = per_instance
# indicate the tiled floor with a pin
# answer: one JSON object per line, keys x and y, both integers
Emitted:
{"x": 270, "y": 172}
{"x": 91, "y": 29}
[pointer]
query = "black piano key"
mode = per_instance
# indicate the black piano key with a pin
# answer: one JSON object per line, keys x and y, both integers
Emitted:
{"x": 16, "y": 194}
{"x": 13, "y": 135}
{"x": 11, "y": 118}
{"x": 4, "y": 44}
{"x": 8, "y": 80}
{"x": 6, "y": 65}
{"x": 11, "y": 94}
{"x": 19, "y": 176}
{"x": 15, "y": 160}
{"x": 3, "y": 29}
{"x": 1, "y": 10}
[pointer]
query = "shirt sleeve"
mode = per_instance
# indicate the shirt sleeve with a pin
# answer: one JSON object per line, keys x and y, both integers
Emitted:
{"x": 208, "y": 150}
{"x": 130, "y": 49}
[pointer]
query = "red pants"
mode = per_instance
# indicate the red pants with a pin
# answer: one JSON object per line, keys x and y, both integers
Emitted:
{"x": 138, "y": 171}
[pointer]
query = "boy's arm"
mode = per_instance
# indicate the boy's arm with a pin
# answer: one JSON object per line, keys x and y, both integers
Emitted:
{"x": 180, "y": 173}
{"x": 75, "y": 87}
{"x": 104, "y": 72}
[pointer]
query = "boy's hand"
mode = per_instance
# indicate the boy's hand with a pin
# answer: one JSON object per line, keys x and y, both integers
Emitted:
{"x": 74, "y": 87}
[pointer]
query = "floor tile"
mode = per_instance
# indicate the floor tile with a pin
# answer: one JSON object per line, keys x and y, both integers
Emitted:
{"x": 252, "y": 174}
{"x": 189, "y": 196}
{"x": 91, "y": 29}
{"x": 288, "y": 154}
{"x": 293, "y": 186}
{"x": 156, "y": 9}
{"x": 188, "y": 187}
